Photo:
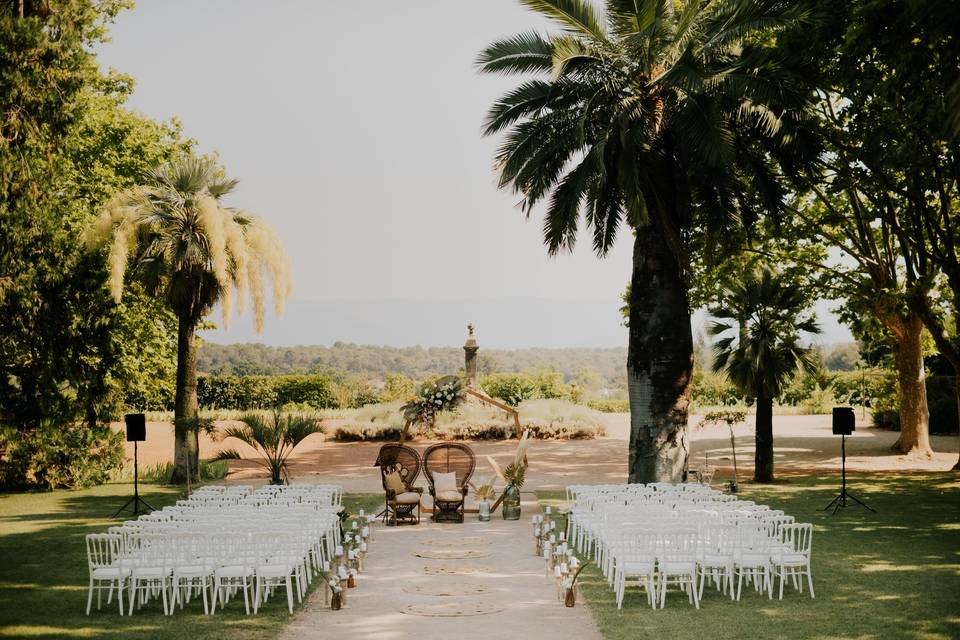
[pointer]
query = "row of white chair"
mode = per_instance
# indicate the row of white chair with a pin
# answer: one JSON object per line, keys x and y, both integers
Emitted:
{"x": 218, "y": 542}
{"x": 687, "y": 535}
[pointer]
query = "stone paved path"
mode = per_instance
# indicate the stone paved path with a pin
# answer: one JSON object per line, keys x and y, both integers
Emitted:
{"x": 525, "y": 599}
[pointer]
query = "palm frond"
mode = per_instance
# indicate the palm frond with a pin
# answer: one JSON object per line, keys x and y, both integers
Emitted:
{"x": 577, "y": 16}
{"x": 523, "y": 53}
{"x": 227, "y": 454}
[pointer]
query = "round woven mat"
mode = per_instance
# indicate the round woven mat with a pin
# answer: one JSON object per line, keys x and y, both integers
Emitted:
{"x": 450, "y": 554}
{"x": 469, "y": 541}
{"x": 449, "y": 588}
{"x": 452, "y": 610}
{"x": 455, "y": 570}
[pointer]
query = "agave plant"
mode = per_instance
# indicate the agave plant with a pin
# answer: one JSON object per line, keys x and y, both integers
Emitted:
{"x": 275, "y": 436}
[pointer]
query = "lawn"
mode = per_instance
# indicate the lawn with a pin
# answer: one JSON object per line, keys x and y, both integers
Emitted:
{"x": 43, "y": 572}
{"x": 886, "y": 575}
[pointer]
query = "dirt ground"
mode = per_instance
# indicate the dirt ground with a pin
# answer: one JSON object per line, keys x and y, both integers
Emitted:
{"x": 803, "y": 445}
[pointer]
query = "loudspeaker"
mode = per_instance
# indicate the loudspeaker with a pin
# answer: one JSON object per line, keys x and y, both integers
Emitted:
{"x": 136, "y": 427}
{"x": 844, "y": 421}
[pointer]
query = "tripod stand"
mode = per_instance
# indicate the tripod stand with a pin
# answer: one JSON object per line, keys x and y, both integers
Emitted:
{"x": 844, "y": 495}
{"x": 134, "y": 503}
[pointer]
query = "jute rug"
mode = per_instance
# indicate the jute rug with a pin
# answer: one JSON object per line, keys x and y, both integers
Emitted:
{"x": 450, "y": 554}
{"x": 455, "y": 570}
{"x": 449, "y": 588}
{"x": 452, "y": 610}
{"x": 469, "y": 541}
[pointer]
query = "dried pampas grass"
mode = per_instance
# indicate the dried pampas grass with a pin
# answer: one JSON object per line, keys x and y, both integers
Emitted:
{"x": 193, "y": 230}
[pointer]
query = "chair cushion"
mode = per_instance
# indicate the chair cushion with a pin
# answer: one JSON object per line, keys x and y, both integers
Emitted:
{"x": 449, "y": 496}
{"x": 408, "y": 497}
{"x": 443, "y": 482}
{"x": 394, "y": 482}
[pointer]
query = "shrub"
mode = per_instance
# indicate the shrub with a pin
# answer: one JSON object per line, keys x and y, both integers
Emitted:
{"x": 548, "y": 385}
{"x": 714, "y": 389}
{"x": 397, "y": 387}
{"x": 367, "y": 432}
{"x": 609, "y": 406}
{"x": 512, "y": 388}
{"x": 55, "y": 456}
{"x": 236, "y": 392}
{"x": 242, "y": 393}
{"x": 313, "y": 390}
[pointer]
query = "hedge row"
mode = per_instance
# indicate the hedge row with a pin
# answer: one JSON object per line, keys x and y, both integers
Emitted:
{"x": 474, "y": 430}
{"x": 262, "y": 392}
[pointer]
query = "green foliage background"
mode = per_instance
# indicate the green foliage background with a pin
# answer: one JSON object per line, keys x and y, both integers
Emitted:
{"x": 69, "y": 356}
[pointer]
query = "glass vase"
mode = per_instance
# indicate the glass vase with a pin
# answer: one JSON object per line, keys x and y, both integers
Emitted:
{"x": 511, "y": 503}
{"x": 483, "y": 511}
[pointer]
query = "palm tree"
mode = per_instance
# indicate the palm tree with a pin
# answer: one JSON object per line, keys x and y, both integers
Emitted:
{"x": 761, "y": 356}
{"x": 669, "y": 118}
{"x": 173, "y": 234}
{"x": 275, "y": 438}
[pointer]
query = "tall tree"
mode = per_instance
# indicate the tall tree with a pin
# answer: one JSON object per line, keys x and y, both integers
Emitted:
{"x": 760, "y": 347}
{"x": 664, "y": 117}
{"x": 885, "y": 190}
{"x": 173, "y": 235}
{"x": 67, "y": 352}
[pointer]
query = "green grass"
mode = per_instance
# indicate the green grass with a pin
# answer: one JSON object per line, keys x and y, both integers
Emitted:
{"x": 889, "y": 575}
{"x": 43, "y": 572}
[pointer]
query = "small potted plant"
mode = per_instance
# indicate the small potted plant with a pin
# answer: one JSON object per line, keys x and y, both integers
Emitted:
{"x": 514, "y": 476}
{"x": 484, "y": 493}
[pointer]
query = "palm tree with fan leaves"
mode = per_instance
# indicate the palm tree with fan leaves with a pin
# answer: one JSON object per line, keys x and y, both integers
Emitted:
{"x": 274, "y": 436}
{"x": 759, "y": 324}
{"x": 173, "y": 234}
{"x": 670, "y": 119}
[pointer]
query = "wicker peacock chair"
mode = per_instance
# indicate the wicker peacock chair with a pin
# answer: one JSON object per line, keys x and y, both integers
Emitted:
{"x": 449, "y": 457}
{"x": 403, "y": 499}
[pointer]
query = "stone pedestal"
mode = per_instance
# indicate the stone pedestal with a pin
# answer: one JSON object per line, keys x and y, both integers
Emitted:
{"x": 470, "y": 349}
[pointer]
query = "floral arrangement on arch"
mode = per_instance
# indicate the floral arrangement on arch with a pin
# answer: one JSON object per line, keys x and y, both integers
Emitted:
{"x": 444, "y": 394}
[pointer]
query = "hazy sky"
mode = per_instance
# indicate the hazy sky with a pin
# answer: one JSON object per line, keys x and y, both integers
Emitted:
{"x": 354, "y": 129}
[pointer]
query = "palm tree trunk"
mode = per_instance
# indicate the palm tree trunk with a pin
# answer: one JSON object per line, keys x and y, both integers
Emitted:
{"x": 763, "y": 458}
{"x": 659, "y": 362}
{"x": 186, "y": 409}
{"x": 914, "y": 415}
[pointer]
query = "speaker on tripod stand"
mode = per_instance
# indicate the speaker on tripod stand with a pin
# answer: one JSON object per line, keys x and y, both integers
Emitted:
{"x": 844, "y": 424}
{"x": 136, "y": 432}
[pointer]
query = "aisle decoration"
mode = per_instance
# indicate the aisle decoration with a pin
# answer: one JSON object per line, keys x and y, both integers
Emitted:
{"x": 514, "y": 476}
{"x": 484, "y": 494}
